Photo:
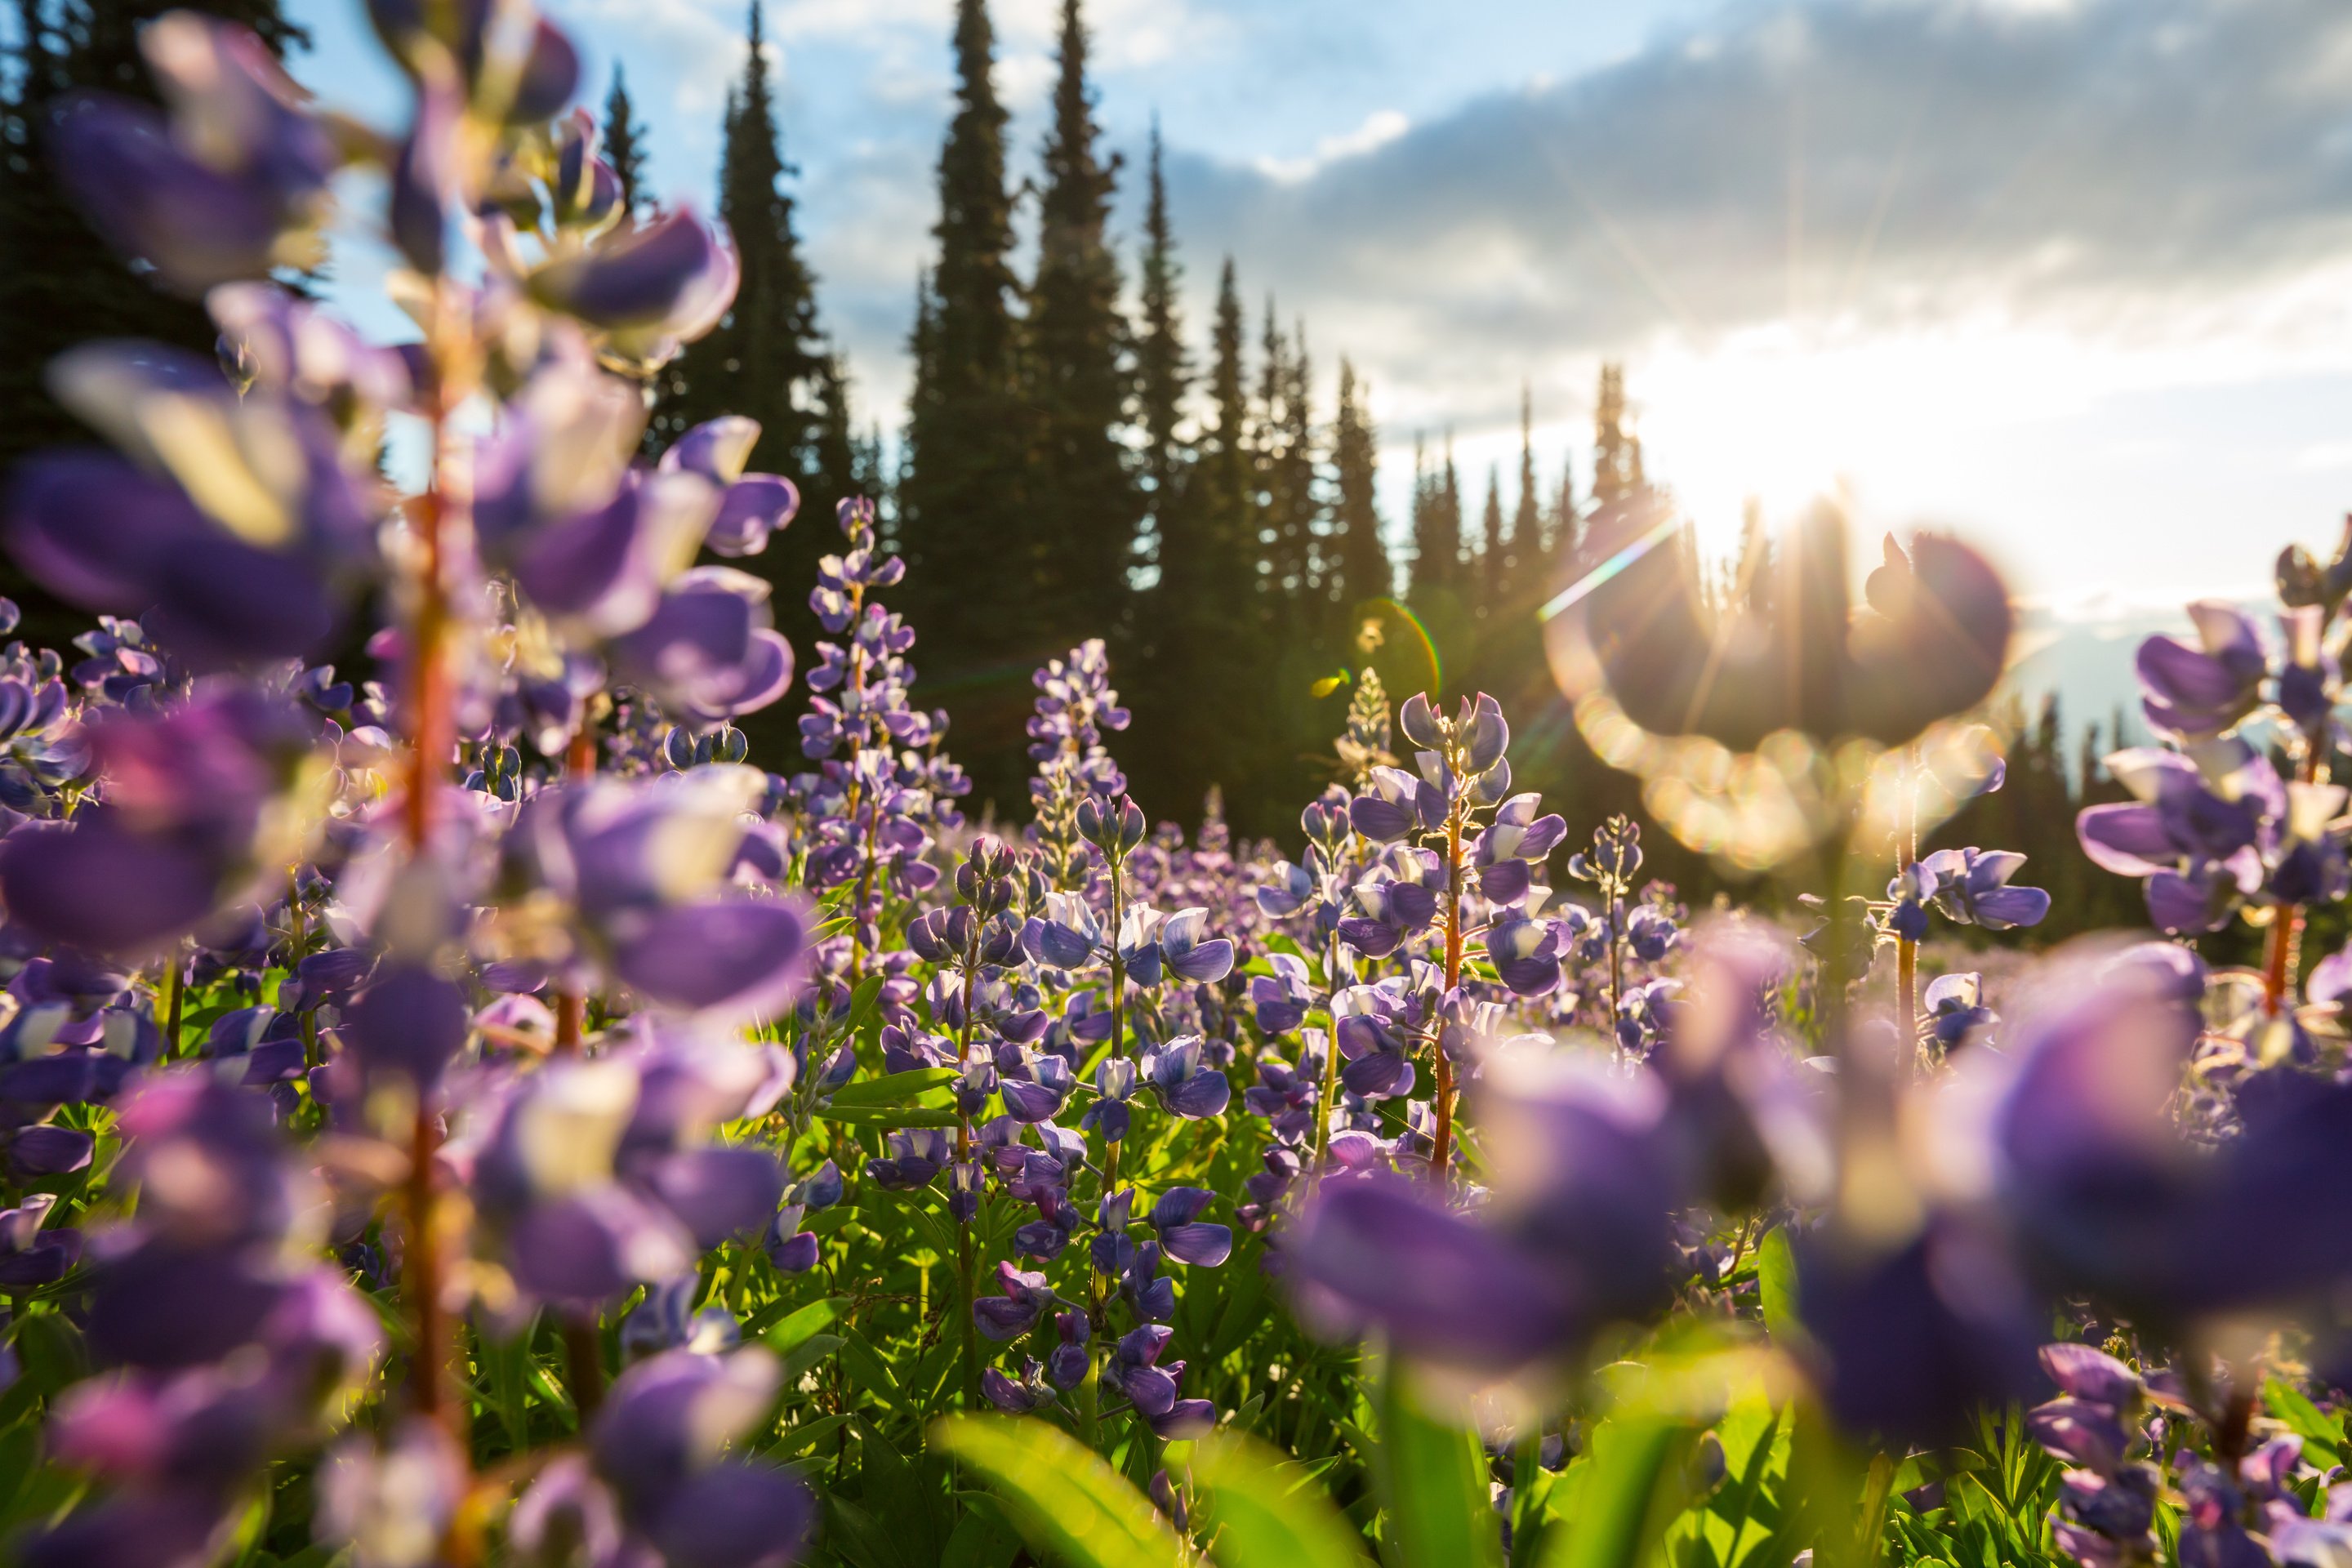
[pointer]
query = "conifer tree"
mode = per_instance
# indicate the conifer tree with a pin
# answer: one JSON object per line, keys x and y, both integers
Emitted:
{"x": 1564, "y": 534}
{"x": 768, "y": 360}
{"x": 1429, "y": 562}
{"x": 1449, "y": 515}
{"x": 1526, "y": 542}
{"x": 625, "y": 145}
{"x": 962, "y": 516}
{"x": 1362, "y": 560}
{"x": 1205, "y": 680}
{"x": 1163, "y": 373}
{"x": 1492, "y": 557}
{"x": 1084, "y": 508}
{"x": 1279, "y": 530}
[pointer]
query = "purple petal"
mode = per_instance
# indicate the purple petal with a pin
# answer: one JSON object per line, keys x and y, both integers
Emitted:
{"x": 736, "y": 957}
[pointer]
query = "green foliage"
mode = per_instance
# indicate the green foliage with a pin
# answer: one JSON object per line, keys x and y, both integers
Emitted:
{"x": 1261, "y": 1510}
{"x": 1434, "y": 1479}
{"x": 1066, "y": 1501}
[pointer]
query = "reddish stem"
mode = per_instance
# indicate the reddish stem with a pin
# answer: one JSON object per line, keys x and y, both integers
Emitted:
{"x": 433, "y": 738}
{"x": 1440, "y": 1149}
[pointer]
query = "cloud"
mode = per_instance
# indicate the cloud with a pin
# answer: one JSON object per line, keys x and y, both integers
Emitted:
{"x": 2110, "y": 167}
{"x": 1379, "y": 127}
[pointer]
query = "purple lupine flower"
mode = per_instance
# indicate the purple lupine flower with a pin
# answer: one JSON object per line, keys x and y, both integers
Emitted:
{"x": 666, "y": 1319}
{"x": 1188, "y": 954}
{"x": 1972, "y": 888}
{"x": 1185, "y": 1087}
{"x": 1910, "y": 891}
{"x": 1527, "y": 953}
{"x": 1014, "y": 1312}
{"x": 1280, "y": 1001}
{"x": 1516, "y": 841}
{"x": 31, "y": 1255}
{"x": 1031, "y": 1392}
{"x": 649, "y": 288}
{"x": 184, "y": 815}
{"x": 753, "y": 505}
{"x": 1399, "y": 806}
{"x": 917, "y": 1154}
{"x": 229, "y": 181}
{"x": 662, "y": 1441}
{"x": 1911, "y": 1339}
{"x": 1955, "y": 1008}
{"x": 1374, "y": 1038}
{"x": 1378, "y": 1253}
{"x": 2192, "y": 694}
{"x": 1175, "y": 1219}
{"x": 1134, "y": 1369}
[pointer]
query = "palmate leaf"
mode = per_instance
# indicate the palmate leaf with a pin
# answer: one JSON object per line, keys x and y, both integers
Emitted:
{"x": 1060, "y": 1494}
{"x": 1433, "y": 1477}
{"x": 1264, "y": 1511}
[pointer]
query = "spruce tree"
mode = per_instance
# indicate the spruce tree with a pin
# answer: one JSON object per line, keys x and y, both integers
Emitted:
{"x": 625, "y": 145}
{"x": 1162, "y": 375}
{"x": 1492, "y": 559}
{"x": 1362, "y": 560}
{"x": 1084, "y": 508}
{"x": 768, "y": 360}
{"x": 962, "y": 501}
{"x": 1429, "y": 571}
{"x": 1622, "y": 498}
{"x": 1449, "y": 515}
{"x": 1527, "y": 545}
{"x": 1564, "y": 534}
{"x": 1208, "y": 621}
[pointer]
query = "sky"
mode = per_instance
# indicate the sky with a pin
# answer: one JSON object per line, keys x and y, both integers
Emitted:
{"x": 2070, "y": 277}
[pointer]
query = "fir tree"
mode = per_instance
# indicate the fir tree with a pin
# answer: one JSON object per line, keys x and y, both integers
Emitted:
{"x": 1083, "y": 507}
{"x": 1205, "y": 680}
{"x": 1362, "y": 560}
{"x": 1492, "y": 557}
{"x": 768, "y": 360}
{"x": 1527, "y": 543}
{"x": 625, "y": 145}
{"x": 962, "y": 500}
{"x": 1428, "y": 565}
{"x": 1564, "y": 533}
{"x": 1162, "y": 375}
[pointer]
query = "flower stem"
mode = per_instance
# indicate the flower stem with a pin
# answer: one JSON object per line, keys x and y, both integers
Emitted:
{"x": 963, "y": 1227}
{"x": 571, "y": 1006}
{"x": 175, "y": 994}
{"x": 1440, "y": 1147}
{"x": 583, "y": 1356}
{"x": 1330, "y": 1095}
{"x": 432, "y": 740}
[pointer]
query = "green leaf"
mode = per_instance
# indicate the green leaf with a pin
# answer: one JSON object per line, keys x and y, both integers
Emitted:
{"x": 1061, "y": 1496}
{"x": 1435, "y": 1479}
{"x": 892, "y": 1089}
{"x": 2323, "y": 1438}
{"x": 1619, "y": 1516}
{"x": 889, "y": 1115}
{"x": 1264, "y": 1511}
{"x": 789, "y": 1335}
{"x": 52, "y": 1352}
{"x": 1776, "y": 1285}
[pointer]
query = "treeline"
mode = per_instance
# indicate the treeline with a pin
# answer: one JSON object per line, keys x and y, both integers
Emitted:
{"x": 1078, "y": 459}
